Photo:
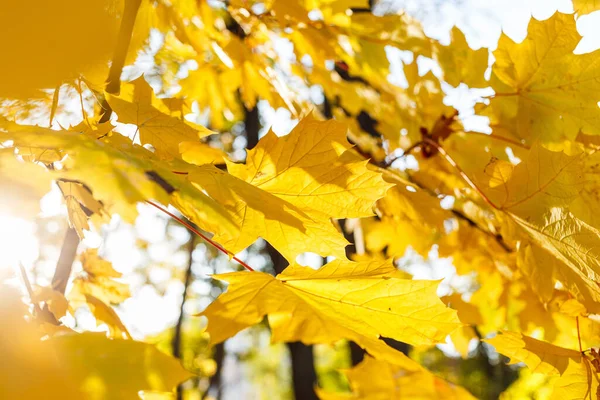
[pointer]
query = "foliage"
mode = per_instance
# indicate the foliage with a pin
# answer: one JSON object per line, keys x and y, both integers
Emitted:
{"x": 516, "y": 210}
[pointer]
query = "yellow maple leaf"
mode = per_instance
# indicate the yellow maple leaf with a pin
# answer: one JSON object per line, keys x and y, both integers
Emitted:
{"x": 543, "y": 90}
{"x": 98, "y": 281}
{"x": 539, "y": 356}
{"x": 290, "y": 188}
{"x": 45, "y": 52}
{"x": 164, "y": 132}
{"x": 362, "y": 302}
{"x": 97, "y": 367}
{"x": 120, "y": 174}
{"x": 574, "y": 370}
{"x": 373, "y": 379}
{"x": 81, "y": 205}
{"x": 541, "y": 195}
{"x": 105, "y": 314}
{"x": 200, "y": 153}
{"x": 55, "y": 300}
{"x": 21, "y": 197}
{"x": 582, "y": 7}
{"x": 460, "y": 63}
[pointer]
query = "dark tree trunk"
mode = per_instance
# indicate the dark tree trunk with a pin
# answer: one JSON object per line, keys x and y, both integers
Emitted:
{"x": 177, "y": 335}
{"x": 304, "y": 376}
{"x": 214, "y": 386}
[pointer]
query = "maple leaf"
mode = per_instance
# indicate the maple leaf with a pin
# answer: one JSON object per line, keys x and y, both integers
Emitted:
{"x": 541, "y": 195}
{"x": 582, "y": 7}
{"x": 199, "y": 153}
{"x": 119, "y": 173}
{"x": 543, "y": 90}
{"x": 539, "y": 356}
{"x": 373, "y": 379}
{"x": 80, "y": 205}
{"x": 122, "y": 367}
{"x": 405, "y": 219}
{"x": 161, "y": 130}
{"x": 56, "y": 301}
{"x": 105, "y": 314}
{"x": 461, "y": 63}
{"x": 21, "y": 197}
{"x": 575, "y": 379}
{"x": 98, "y": 281}
{"x": 97, "y": 367}
{"x": 291, "y": 187}
{"x": 46, "y": 38}
{"x": 362, "y": 302}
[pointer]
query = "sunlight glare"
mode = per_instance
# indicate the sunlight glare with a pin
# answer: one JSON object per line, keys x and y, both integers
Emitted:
{"x": 18, "y": 242}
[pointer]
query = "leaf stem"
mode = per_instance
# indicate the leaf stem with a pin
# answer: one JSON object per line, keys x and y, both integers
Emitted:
{"x": 36, "y": 306}
{"x": 578, "y": 334}
{"x": 462, "y": 173}
{"x": 203, "y": 236}
{"x": 501, "y": 138}
{"x": 406, "y": 152}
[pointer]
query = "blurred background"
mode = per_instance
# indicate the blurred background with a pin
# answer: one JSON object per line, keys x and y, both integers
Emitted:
{"x": 169, "y": 271}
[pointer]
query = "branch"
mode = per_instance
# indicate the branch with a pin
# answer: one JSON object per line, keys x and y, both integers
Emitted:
{"x": 462, "y": 173}
{"x": 203, "y": 236}
{"x": 113, "y": 82}
{"x": 65, "y": 261}
{"x": 36, "y": 306}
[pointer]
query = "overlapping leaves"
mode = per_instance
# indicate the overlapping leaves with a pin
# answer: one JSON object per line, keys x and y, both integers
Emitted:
{"x": 364, "y": 302}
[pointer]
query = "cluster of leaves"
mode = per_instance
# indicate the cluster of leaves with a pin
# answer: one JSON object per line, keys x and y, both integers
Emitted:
{"x": 515, "y": 209}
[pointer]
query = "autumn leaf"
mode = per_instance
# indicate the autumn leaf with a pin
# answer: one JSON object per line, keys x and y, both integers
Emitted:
{"x": 21, "y": 197}
{"x": 373, "y": 379}
{"x": 538, "y": 356}
{"x": 81, "y": 205}
{"x": 98, "y": 281}
{"x": 162, "y": 131}
{"x": 461, "y": 63}
{"x": 575, "y": 379}
{"x": 56, "y": 301}
{"x": 543, "y": 90}
{"x": 120, "y": 368}
{"x": 291, "y": 187}
{"x": 582, "y": 7}
{"x": 106, "y": 314}
{"x": 121, "y": 174}
{"x": 363, "y": 302}
{"x": 96, "y": 367}
{"x": 542, "y": 196}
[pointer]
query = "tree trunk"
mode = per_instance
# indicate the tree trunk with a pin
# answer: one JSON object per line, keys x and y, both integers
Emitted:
{"x": 304, "y": 376}
{"x": 177, "y": 335}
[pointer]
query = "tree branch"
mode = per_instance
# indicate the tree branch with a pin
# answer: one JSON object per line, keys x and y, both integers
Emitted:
{"x": 113, "y": 82}
{"x": 65, "y": 261}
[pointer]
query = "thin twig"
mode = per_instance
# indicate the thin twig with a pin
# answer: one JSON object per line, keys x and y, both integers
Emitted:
{"x": 54, "y": 106}
{"x": 578, "y": 334}
{"x": 404, "y": 154}
{"x": 462, "y": 173}
{"x": 197, "y": 232}
{"x": 501, "y": 138}
{"x": 83, "y": 113}
{"x": 36, "y": 306}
